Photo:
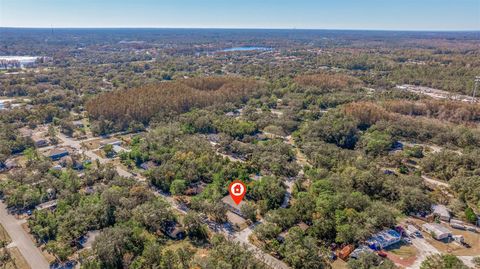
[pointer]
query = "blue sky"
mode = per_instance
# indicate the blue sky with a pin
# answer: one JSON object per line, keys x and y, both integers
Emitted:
{"x": 316, "y": 14}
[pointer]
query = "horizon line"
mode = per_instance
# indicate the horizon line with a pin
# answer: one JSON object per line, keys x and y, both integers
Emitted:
{"x": 238, "y": 28}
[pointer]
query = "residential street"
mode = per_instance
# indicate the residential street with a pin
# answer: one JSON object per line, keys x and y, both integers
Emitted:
{"x": 22, "y": 240}
{"x": 241, "y": 237}
{"x": 424, "y": 250}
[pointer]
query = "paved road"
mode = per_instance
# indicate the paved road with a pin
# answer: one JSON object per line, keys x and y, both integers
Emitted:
{"x": 437, "y": 94}
{"x": 242, "y": 237}
{"x": 22, "y": 240}
{"x": 424, "y": 250}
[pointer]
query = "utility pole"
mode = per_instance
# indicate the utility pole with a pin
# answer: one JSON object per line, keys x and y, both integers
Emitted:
{"x": 477, "y": 80}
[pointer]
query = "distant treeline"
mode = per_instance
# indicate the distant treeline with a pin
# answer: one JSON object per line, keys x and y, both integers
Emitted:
{"x": 143, "y": 103}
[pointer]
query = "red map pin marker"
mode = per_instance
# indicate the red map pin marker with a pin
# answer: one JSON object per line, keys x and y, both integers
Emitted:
{"x": 237, "y": 191}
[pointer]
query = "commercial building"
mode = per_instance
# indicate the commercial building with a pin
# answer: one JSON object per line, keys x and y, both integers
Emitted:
{"x": 384, "y": 239}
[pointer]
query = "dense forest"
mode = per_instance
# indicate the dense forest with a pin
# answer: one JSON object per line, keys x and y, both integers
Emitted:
{"x": 141, "y": 104}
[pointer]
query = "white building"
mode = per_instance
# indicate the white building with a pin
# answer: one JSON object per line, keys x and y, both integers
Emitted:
{"x": 437, "y": 231}
{"x": 412, "y": 231}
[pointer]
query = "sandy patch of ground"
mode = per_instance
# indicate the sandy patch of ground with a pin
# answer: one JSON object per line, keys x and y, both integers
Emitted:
{"x": 18, "y": 260}
{"x": 339, "y": 264}
{"x": 403, "y": 254}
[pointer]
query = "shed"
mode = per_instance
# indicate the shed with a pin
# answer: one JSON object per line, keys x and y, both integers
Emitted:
{"x": 345, "y": 252}
{"x": 412, "y": 231}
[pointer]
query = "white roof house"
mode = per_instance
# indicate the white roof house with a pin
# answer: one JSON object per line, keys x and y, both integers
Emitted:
{"x": 437, "y": 231}
{"x": 442, "y": 212}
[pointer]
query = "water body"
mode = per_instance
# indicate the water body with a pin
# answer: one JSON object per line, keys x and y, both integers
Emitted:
{"x": 246, "y": 48}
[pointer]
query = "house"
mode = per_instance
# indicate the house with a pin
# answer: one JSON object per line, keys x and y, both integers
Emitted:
{"x": 47, "y": 205}
{"x": 234, "y": 113}
{"x": 176, "y": 232}
{"x": 118, "y": 149}
{"x": 57, "y": 153}
{"x": 89, "y": 190}
{"x": 359, "y": 251}
{"x": 214, "y": 139}
{"x": 65, "y": 161}
{"x": 39, "y": 142}
{"x": 87, "y": 240}
{"x": 302, "y": 225}
{"x": 281, "y": 237}
{"x": 78, "y": 124}
{"x": 441, "y": 212}
{"x": 37, "y": 136}
{"x": 437, "y": 231}
{"x": 8, "y": 164}
{"x": 255, "y": 177}
{"x": 195, "y": 189}
{"x": 345, "y": 252}
{"x": 232, "y": 206}
{"x": 57, "y": 167}
{"x": 148, "y": 165}
{"x": 112, "y": 142}
{"x": 384, "y": 239}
